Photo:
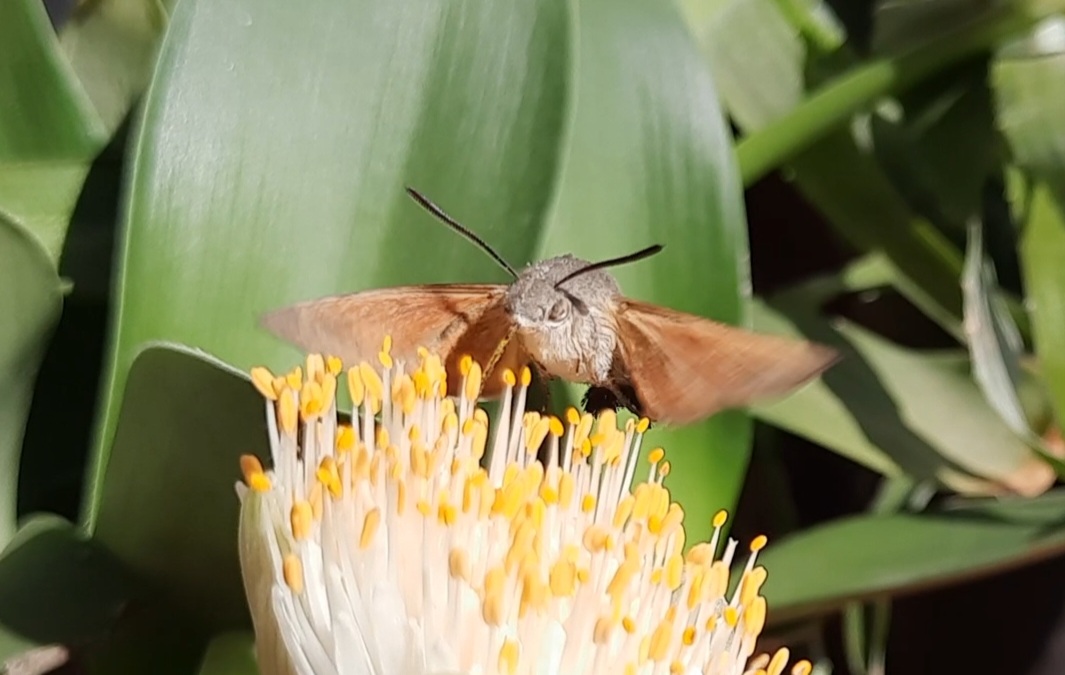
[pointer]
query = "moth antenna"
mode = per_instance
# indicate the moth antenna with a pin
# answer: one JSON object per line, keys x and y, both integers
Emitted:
{"x": 613, "y": 262}
{"x": 460, "y": 228}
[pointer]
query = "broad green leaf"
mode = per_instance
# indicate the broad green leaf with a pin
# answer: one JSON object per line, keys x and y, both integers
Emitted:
{"x": 1028, "y": 86}
{"x": 817, "y": 570}
{"x": 47, "y": 114}
{"x": 111, "y": 46}
{"x": 257, "y": 184}
{"x": 885, "y": 406}
{"x": 649, "y": 160}
{"x": 170, "y": 510}
{"x": 57, "y": 587}
{"x": 40, "y": 197}
{"x": 30, "y": 305}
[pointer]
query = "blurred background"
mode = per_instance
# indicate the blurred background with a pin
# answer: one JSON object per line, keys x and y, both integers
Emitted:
{"x": 883, "y": 176}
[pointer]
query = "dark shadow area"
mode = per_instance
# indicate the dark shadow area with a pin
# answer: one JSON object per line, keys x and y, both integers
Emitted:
{"x": 60, "y": 425}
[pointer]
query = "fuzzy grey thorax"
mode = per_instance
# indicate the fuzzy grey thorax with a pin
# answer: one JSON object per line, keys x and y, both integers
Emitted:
{"x": 570, "y": 330}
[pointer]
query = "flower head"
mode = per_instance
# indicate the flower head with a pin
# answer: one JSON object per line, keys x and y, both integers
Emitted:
{"x": 413, "y": 541}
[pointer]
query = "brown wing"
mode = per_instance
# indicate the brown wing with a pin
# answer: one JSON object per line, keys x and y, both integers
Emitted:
{"x": 685, "y": 368}
{"x": 449, "y": 319}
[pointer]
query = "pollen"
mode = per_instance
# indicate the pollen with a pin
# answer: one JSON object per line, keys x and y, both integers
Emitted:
{"x": 482, "y": 531}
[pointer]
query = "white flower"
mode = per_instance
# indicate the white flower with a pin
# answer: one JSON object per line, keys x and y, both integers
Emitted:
{"x": 384, "y": 548}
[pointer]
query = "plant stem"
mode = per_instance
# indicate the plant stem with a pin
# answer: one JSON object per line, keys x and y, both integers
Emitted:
{"x": 835, "y": 103}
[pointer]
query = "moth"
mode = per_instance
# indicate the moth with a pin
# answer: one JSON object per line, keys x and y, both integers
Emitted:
{"x": 566, "y": 318}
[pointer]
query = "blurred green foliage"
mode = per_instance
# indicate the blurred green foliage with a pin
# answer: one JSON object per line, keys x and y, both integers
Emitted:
{"x": 263, "y": 147}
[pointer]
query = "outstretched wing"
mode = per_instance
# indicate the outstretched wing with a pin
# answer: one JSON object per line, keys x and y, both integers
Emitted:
{"x": 685, "y": 368}
{"x": 450, "y": 319}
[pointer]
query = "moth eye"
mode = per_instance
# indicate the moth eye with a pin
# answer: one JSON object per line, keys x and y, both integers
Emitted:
{"x": 559, "y": 311}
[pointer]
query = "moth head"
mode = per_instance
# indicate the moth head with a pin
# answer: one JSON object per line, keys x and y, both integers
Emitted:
{"x": 537, "y": 299}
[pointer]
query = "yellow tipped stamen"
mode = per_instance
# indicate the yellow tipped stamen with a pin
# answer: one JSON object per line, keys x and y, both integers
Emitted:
{"x": 254, "y": 476}
{"x": 758, "y": 543}
{"x": 375, "y": 388}
{"x": 778, "y": 662}
{"x": 508, "y": 657}
{"x": 300, "y": 519}
{"x": 656, "y": 455}
{"x": 473, "y": 382}
{"x": 315, "y": 367}
{"x": 803, "y": 667}
{"x": 573, "y": 418}
{"x": 719, "y": 518}
{"x": 293, "y": 573}
{"x": 465, "y": 363}
{"x": 333, "y": 365}
{"x": 287, "y": 413}
{"x": 294, "y": 379}
{"x": 355, "y": 387}
{"x": 753, "y": 617}
{"x": 526, "y": 376}
{"x": 555, "y": 427}
{"x": 643, "y": 425}
{"x": 370, "y": 523}
{"x": 263, "y": 380}
{"x": 345, "y": 438}
{"x": 509, "y": 378}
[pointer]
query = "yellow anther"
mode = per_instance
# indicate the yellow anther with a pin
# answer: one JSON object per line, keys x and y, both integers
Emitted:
{"x": 674, "y": 571}
{"x": 537, "y": 434}
{"x": 386, "y": 359}
{"x": 753, "y": 616}
{"x": 778, "y": 662}
{"x": 509, "y": 378}
{"x": 720, "y": 518}
{"x": 423, "y": 507}
{"x": 446, "y": 512}
{"x": 563, "y": 579}
{"x": 311, "y": 403}
{"x": 355, "y": 387}
{"x": 315, "y": 367}
{"x": 751, "y": 584}
{"x": 803, "y": 667}
{"x": 465, "y": 363}
{"x": 473, "y": 382}
{"x": 288, "y": 414}
{"x": 660, "y": 639}
{"x": 731, "y": 617}
{"x": 386, "y": 344}
{"x": 624, "y": 510}
{"x": 566, "y": 488}
{"x": 555, "y": 427}
{"x": 300, "y": 519}
{"x": 294, "y": 379}
{"x": 263, "y": 380}
{"x": 573, "y": 417}
{"x": 292, "y": 570}
{"x": 656, "y": 455}
{"x": 663, "y": 470}
{"x": 526, "y": 376}
{"x": 375, "y": 388}
{"x": 695, "y": 590}
{"x": 383, "y": 440}
{"x": 333, "y": 365}
{"x": 604, "y": 628}
{"x": 588, "y": 503}
{"x": 509, "y": 654}
{"x": 345, "y": 438}
{"x": 628, "y": 624}
{"x": 458, "y": 564}
{"x": 643, "y": 425}
{"x": 329, "y": 476}
{"x": 370, "y": 524}
{"x": 758, "y": 543}
{"x": 254, "y": 476}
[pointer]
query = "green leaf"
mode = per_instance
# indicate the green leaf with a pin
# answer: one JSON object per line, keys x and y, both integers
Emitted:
{"x": 884, "y": 406}
{"x": 57, "y": 586}
{"x": 111, "y": 46}
{"x": 170, "y": 510}
{"x": 30, "y": 306}
{"x": 649, "y": 160}
{"x": 47, "y": 114}
{"x": 1027, "y": 79}
{"x": 862, "y": 557}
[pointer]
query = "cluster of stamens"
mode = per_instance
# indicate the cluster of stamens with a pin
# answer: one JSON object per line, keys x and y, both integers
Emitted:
{"x": 398, "y": 546}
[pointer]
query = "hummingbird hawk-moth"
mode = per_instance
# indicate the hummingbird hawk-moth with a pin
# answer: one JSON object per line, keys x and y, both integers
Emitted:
{"x": 568, "y": 319}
